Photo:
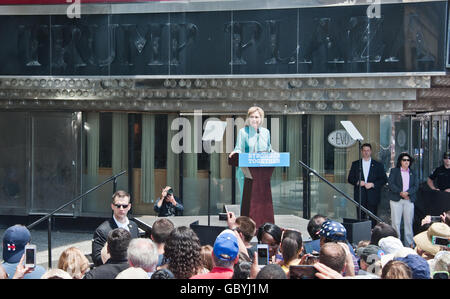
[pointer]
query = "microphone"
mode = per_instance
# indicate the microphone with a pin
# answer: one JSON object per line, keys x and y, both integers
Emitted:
{"x": 257, "y": 131}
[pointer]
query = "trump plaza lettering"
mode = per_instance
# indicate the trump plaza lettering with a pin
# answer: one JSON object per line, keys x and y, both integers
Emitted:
{"x": 267, "y": 41}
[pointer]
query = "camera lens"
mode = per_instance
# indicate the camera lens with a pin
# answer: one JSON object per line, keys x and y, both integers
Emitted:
{"x": 170, "y": 191}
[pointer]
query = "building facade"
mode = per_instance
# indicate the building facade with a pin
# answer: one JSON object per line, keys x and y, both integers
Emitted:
{"x": 88, "y": 90}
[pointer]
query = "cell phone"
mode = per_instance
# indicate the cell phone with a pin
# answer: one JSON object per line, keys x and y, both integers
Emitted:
{"x": 435, "y": 218}
{"x": 223, "y": 216}
{"x": 302, "y": 272}
{"x": 30, "y": 256}
{"x": 440, "y": 275}
{"x": 436, "y": 240}
{"x": 263, "y": 254}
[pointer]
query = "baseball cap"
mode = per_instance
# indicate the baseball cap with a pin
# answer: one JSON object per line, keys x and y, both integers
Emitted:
{"x": 374, "y": 252}
{"x": 446, "y": 155}
{"x": 14, "y": 240}
{"x": 419, "y": 266}
{"x": 333, "y": 230}
{"x": 226, "y": 246}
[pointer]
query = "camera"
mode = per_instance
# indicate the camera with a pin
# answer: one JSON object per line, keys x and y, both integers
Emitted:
{"x": 30, "y": 256}
{"x": 168, "y": 193}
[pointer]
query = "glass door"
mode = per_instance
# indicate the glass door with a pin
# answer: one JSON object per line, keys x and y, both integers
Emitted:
{"x": 430, "y": 139}
{"x": 54, "y": 161}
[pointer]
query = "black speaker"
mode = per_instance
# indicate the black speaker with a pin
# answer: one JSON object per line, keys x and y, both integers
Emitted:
{"x": 206, "y": 234}
{"x": 357, "y": 230}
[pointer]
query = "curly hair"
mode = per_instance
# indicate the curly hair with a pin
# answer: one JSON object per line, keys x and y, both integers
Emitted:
{"x": 183, "y": 251}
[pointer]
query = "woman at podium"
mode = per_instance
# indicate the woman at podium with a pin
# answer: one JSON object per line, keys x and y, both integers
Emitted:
{"x": 252, "y": 138}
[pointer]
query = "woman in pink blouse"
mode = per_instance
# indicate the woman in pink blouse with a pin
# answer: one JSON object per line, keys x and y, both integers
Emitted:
{"x": 403, "y": 186}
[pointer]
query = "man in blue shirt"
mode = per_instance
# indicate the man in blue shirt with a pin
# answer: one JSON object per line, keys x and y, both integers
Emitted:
{"x": 168, "y": 204}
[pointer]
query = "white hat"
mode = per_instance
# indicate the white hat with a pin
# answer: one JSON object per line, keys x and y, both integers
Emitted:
{"x": 441, "y": 261}
{"x": 390, "y": 244}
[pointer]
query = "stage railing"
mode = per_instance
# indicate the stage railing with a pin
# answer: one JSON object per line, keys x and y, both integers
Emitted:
{"x": 50, "y": 215}
{"x": 369, "y": 213}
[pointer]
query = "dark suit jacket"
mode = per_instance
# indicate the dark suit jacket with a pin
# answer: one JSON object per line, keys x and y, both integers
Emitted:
{"x": 107, "y": 271}
{"x": 377, "y": 176}
{"x": 101, "y": 234}
{"x": 395, "y": 184}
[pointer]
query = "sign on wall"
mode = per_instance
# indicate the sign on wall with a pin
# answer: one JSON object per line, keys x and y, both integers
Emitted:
{"x": 406, "y": 38}
{"x": 340, "y": 139}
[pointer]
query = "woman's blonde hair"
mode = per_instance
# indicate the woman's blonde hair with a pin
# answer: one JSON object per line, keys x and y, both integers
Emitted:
{"x": 396, "y": 270}
{"x": 207, "y": 257}
{"x": 254, "y": 109}
{"x": 73, "y": 261}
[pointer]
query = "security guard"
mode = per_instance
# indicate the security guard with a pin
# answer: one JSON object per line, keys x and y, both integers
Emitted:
{"x": 440, "y": 178}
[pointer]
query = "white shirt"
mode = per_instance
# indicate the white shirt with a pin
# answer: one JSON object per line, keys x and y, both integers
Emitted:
{"x": 366, "y": 167}
{"x": 122, "y": 225}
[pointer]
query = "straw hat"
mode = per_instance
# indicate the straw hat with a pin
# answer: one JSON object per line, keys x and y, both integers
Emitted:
{"x": 423, "y": 240}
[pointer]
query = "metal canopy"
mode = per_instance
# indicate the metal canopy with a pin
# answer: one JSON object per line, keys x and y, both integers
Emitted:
{"x": 325, "y": 95}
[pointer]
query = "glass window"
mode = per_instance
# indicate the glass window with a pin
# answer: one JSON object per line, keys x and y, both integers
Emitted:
{"x": 13, "y": 160}
{"x": 332, "y": 160}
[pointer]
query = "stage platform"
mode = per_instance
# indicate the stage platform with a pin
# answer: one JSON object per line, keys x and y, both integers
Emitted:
{"x": 284, "y": 221}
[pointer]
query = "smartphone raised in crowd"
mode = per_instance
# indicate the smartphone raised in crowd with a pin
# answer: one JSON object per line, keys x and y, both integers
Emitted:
{"x": 436, "y": 240}
{"x": 263, "y": 254}
{"x": 30, "y": 256}
{"x": 435, "y": 218}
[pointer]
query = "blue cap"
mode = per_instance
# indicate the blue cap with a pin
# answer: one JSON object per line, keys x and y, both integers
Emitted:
{"x": 333, "y": 230}
{"x": 226, "y": 246}
{"x": 14, "y": 240}
{"x": 419, "y": 266}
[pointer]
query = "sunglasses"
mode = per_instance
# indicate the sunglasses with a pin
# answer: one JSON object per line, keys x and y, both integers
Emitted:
{"x": 123, "y": 206}
{"x": 406, "y": 160}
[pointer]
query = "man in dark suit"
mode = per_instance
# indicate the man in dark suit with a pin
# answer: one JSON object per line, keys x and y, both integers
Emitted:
{"x": 373, "y": 178}
{"x": 121, "y": 206}
{"x": 118, "y": 241}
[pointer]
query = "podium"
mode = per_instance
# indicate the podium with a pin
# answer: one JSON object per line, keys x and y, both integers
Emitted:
{"x": 257, "y": 194}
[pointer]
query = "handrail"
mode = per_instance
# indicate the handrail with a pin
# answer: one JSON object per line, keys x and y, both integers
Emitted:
{"x": 369, "y": 213}
{"x": 49, "y": 215}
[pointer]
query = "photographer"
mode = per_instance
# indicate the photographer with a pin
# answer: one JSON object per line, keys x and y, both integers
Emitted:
{"x": 428, "y": 220}
{"x": 168, "y": 204}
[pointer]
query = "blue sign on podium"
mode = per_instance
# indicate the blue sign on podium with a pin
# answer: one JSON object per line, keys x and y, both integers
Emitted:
{"x": 264, "y": 159}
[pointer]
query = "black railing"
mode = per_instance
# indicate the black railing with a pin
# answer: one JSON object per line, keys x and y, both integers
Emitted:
{"x": 369, "y": 213}
{"x": 50, "y": 215}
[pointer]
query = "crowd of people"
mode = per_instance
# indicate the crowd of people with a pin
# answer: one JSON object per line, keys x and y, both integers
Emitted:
{"x": 169, "y": 252}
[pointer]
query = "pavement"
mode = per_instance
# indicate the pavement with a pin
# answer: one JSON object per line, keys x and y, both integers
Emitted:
{"x": 61, "y": 240}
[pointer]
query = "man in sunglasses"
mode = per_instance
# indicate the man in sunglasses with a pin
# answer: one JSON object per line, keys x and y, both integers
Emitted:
{"x": 371, "y": 179}
{"x": 440, "y": 179}
{"x": 120, "y": 206}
